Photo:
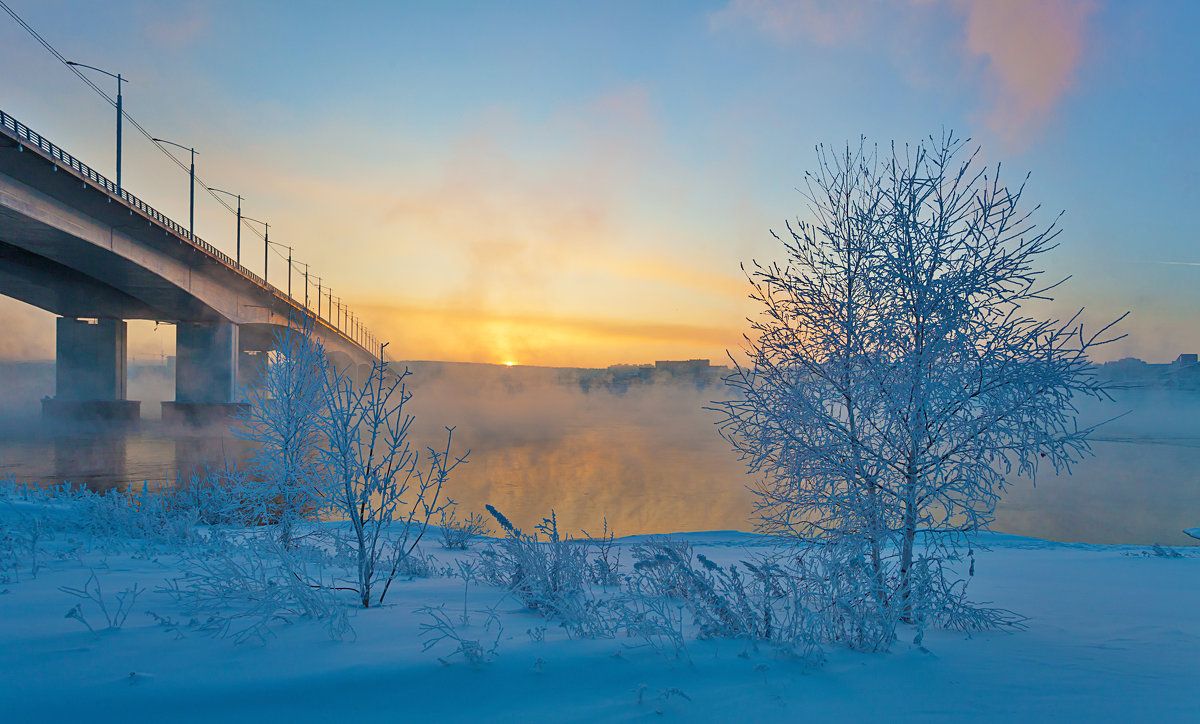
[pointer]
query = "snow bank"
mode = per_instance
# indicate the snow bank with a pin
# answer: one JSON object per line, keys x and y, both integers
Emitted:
{"x": 1110, "y": 635}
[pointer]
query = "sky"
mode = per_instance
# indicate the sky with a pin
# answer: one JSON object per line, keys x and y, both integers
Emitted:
{"x": 577, "y": 184}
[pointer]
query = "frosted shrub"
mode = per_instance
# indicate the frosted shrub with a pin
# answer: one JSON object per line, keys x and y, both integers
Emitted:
{"x": 376, "y": 480}
{"x": 115, "y": 611}
{"x": 544, "y": 576}
{"x": 218, "y": 496}
{"x": 941, "y": 592}
{"x": 14, "y": 543}
{"x": 760, "y": 601}
{"x": 286, "y": 406}
{"x": 457, "y": 534}
{"x": 550, "y": 574}
{"x": 604, "y": 566}
{"x": 475, "y": 644}
{"x": 242, "y": 588}
{"x": 150, "y": 515}
{"x": 840, "y": 596}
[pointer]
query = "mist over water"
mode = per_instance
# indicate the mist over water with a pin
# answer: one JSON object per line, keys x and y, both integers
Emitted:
{"x": 649, "y": 460}
{"x": 1141, "y": 486}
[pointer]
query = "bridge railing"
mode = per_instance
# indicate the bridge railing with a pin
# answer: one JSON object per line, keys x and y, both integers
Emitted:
{"x": 24, "y": 134}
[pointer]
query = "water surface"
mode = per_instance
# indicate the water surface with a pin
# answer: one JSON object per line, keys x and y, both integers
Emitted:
{"x": 650, "y": 460}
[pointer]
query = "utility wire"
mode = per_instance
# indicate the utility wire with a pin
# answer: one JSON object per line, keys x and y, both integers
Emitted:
{"x": 125, "y": 114}
{"x": 112, "y": 102}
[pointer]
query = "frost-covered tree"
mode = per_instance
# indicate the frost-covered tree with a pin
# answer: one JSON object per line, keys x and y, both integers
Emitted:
{"x": 895, "y": 376}
{"x": 282, "y": 421}
{"x": 376, "y": 479}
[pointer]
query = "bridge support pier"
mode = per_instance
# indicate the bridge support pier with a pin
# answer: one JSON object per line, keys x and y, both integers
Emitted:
{"x": 206, "y": 373}
{"x": 90, "y": 372}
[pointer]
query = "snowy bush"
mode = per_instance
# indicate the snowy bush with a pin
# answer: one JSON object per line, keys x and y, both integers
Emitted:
{"x": 457, "y": 534}
{"x": 796, "y": 599}
{"x": 114, "y": 610}
{"x": 111, "y": 517}
{"x": 894, "y": 381}
{"x": 242, "y": 587}
{"x": 476, "y": 644}
{"x": 604, "y": 564}
{"x": 550, "y": 574}
{"x": 217, "y": 497}
{"x": 376, "y": 480}
{"x": 286, "y": 406}
{"x": 143, "y": 513}
{"x": 760, "y": 602}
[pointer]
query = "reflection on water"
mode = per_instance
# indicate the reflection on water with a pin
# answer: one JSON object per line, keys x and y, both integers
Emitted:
{"x": 651, "y": 461}
{"x": 95, "y": 462}
{"x": 104, "y": 458}
{"x": 1144, "y": 491}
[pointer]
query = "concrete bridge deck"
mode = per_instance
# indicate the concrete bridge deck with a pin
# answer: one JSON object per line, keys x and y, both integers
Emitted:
{"x": 74, "y": 244}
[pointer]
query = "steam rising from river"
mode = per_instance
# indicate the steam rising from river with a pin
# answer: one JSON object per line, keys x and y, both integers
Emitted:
{"x": 649, "y": 459}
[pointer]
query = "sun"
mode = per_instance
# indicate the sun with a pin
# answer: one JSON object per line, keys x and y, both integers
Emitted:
{"x": 509, "y": 364}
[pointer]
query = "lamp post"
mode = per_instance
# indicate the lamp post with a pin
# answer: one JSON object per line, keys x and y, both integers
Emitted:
{"x": 305, "y": 284}
{"x": 120, "y": 113}
{"x": 266, "y": 244}
{"x": 289, "y": 264}
{"x": 238, "y": 256}
{"x": 191, "y": 187}
{"x": 290, "y": 250}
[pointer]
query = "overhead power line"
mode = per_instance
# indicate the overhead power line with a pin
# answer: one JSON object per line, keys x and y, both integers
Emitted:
{"x": 150, "y": 137}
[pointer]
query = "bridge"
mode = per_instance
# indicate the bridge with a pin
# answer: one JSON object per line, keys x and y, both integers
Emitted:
{"x": 76, "y": 245}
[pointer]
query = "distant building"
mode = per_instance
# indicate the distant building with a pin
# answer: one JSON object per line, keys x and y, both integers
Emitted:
{"x": 620, "y": 378}
{"x": 1184, "y": 372}
{"x": 684, "y": 367}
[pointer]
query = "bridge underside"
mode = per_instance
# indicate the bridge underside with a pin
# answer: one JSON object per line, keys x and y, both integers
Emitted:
{"x": 96, "y": 259}
{"x": 62, "y": 273}
{"x": 46, "y": 284}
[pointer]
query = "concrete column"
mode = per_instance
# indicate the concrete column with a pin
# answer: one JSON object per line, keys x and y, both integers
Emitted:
{"x": 90, "y": 360}
{"x": 90, "y": 372}
{"x": 206, "y": 362}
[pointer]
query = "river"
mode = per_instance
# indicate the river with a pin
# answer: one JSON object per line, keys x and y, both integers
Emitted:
{"x": 650, "y": 461}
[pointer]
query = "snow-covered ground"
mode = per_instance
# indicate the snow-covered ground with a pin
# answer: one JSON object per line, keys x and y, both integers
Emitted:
{"x": 1113, "y": 636}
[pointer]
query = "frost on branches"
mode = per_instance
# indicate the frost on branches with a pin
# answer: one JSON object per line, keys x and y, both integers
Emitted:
{"x": 376, "y": 478}
{"x": 894, "y": 377}
{"x": 330, "y": 447}
{"x": 287, "y": 404}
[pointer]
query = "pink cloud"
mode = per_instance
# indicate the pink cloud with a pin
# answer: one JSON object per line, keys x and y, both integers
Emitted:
{"x": 1033, "y": 50}
{"x": 1028, "y": 51}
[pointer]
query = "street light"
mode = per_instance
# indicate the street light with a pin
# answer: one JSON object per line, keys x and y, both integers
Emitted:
{"x": 238, "y": 257}
{"x": 191, "y": 188}
{"x": 266, "y": 243}
{"x": 305, "y": 284}
{"x": 289, "y": 264}
{"x": 120, "y": 80}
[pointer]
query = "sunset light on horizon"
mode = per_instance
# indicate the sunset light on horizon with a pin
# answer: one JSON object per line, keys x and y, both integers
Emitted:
{"x": 578, "y": 184}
